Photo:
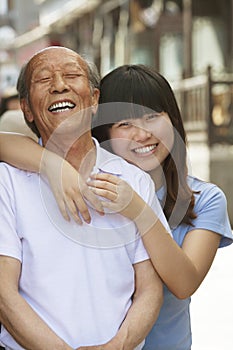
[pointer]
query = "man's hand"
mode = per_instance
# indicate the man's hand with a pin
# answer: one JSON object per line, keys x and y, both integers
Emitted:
{"x": 98, "y": 347}
{"x": 106, "y": 346}
{"x": 111, "y": 345}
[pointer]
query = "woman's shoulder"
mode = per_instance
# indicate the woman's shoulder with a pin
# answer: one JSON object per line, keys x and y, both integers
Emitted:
{"x": 211, "y": 209}
{"x": 208, "y": 196}
{"x": 203, "y": 188}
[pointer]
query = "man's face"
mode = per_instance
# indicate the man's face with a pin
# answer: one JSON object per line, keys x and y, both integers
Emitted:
{"x": 58, "y": 88}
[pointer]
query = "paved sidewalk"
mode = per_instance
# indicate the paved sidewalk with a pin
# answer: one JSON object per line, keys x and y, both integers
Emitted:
{"x": 212, "y": 306}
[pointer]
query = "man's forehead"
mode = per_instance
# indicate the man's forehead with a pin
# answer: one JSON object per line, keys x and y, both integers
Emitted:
{"x": 54, "y": 57}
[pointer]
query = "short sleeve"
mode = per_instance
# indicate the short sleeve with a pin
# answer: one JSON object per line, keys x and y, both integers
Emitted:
{"x": 10, "y": 244}
{"x": 211, "y": 210}
{"x": 136, "y": 251}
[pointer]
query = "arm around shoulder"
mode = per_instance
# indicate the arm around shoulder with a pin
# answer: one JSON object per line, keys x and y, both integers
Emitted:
{"x": 20, "y": 151}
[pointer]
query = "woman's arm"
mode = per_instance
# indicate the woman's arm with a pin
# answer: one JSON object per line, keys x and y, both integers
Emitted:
{"x": 24, "y": 153}
{"x": 181, "y": 269}
{"x": 20, "y": 151}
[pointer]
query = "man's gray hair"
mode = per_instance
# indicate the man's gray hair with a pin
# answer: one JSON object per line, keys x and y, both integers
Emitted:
{"x": 93, "y": 74}
{"x": 21, "y": 83}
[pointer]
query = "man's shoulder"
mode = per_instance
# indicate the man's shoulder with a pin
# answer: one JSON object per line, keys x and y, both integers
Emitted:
{"x": 11, "y": 173}
{"x": 6, "y": 168}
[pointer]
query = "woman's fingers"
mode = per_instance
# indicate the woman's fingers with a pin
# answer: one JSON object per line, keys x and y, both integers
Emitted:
{"x": 73, "y": 196}
{"x": 105, "y": 194}
{"x": 73, "y": 204}
{"x": 104, "y": 189}
{"x": 93, "y": 200}
{"x": 106, "y": 177}
{"x": 62, "y": 206}
{"x": 119, "y": 195}
{"x": 79, "y": 213}
{"x": 76, "y": 202}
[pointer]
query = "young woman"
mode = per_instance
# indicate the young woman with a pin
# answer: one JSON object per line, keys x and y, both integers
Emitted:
{"x": 139, "y": 120}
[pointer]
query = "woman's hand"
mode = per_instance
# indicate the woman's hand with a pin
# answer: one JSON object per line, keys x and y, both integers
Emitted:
{"x": 70, "y": 190}
{"x": 119, "y": 195}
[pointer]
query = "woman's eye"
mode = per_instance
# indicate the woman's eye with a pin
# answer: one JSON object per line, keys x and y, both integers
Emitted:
{"x": 153, "y": 116}
{"x": 124, "y": 124}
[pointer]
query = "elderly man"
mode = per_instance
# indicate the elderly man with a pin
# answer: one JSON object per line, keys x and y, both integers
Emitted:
{"x": 63, "y": 285}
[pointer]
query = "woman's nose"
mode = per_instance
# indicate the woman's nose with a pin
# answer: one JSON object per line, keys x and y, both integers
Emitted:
{"x": 141, "y": 134}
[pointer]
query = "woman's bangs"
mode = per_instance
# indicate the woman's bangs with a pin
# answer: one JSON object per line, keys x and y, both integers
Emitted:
{"x": 114, "y": 112}
{"x": 148, "y": 98}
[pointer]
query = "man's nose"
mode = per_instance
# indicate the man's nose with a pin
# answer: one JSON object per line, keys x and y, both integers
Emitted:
{"x": 58, "y": 84}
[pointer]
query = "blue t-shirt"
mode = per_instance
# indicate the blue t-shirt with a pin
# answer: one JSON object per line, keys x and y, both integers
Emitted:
{"x": 172, "y": 330}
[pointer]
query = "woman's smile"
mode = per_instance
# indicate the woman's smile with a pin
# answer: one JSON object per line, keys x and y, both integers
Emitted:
{"x": 145, "y": 150}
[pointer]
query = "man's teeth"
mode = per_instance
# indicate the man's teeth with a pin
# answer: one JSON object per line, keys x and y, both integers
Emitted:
{"x": 61, "y": 106}
{"x": 146, "y": 149}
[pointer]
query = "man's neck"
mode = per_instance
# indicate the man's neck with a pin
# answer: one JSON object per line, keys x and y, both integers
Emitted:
{"x": 81, "y": 153}
{"x": 82, "y": 156}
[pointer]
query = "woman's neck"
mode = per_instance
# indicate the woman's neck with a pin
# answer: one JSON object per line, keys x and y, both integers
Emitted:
{"x": 158, "y": 177}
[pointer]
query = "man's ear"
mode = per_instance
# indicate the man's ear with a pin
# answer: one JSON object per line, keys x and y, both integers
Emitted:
{"x": 95, "y": 100}
{"x": 26, "y": 110}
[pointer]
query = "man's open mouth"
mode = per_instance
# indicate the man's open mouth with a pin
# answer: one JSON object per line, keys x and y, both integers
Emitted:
{"x": 61, "y": 106}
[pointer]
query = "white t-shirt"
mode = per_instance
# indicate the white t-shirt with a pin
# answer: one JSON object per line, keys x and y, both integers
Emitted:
{"x": 79, "y": 279}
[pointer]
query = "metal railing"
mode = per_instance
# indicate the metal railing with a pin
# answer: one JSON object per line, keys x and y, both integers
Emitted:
{"x": 192, "y": 95}
{"x": 206, "y": 106}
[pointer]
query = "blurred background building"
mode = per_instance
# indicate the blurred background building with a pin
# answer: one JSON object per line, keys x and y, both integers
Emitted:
{"x": 179, "y": 38}
{"x": 189, "y": 41}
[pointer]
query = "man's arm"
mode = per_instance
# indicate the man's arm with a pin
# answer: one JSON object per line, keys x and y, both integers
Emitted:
{"x": 144, "y": 311}
{"x": 25, "y": 326}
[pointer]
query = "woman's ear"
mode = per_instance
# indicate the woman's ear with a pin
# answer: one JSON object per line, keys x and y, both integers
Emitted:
{"x": 26, "y": 110}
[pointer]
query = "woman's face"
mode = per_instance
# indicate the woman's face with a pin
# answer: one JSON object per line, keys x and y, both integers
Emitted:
{"x": 145, "y": 142}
